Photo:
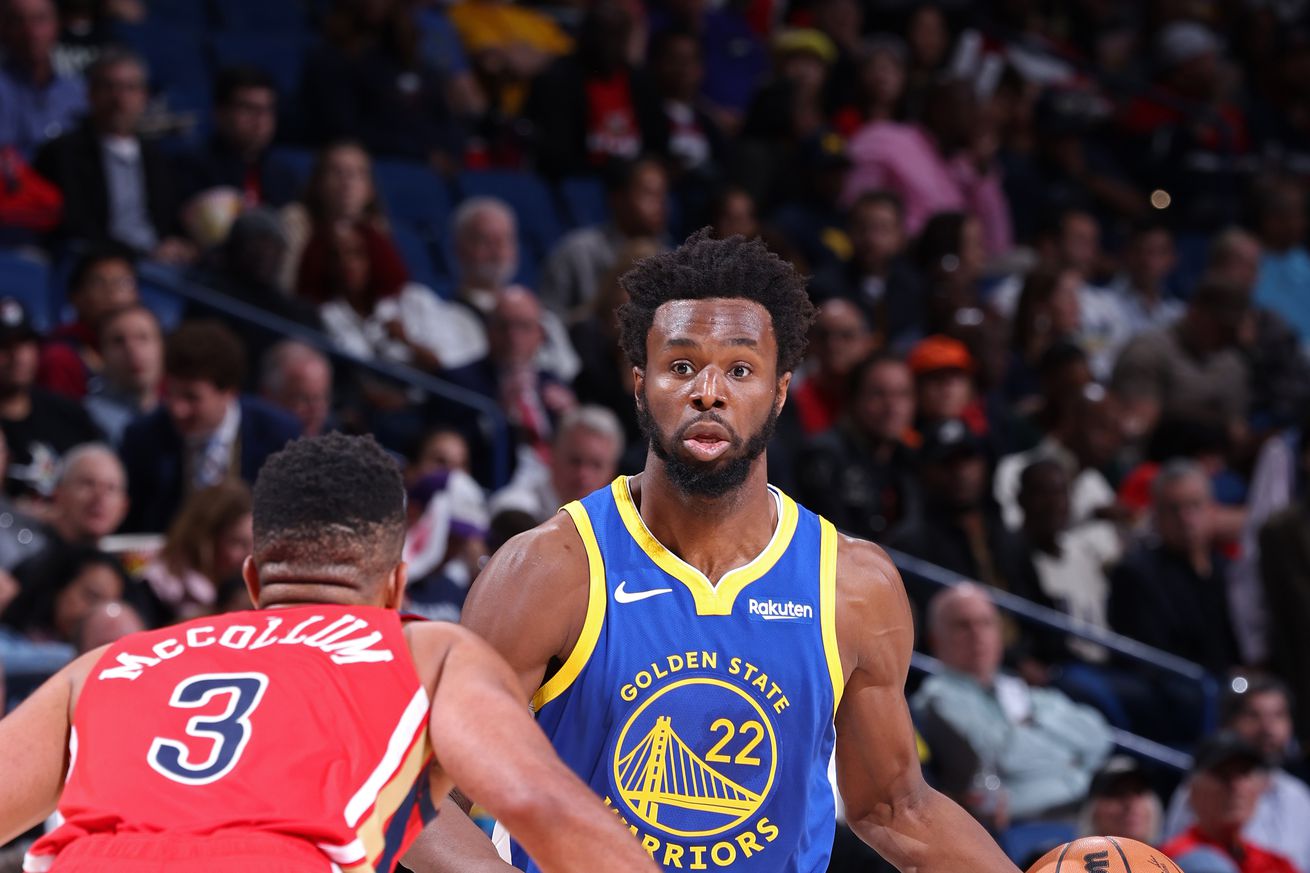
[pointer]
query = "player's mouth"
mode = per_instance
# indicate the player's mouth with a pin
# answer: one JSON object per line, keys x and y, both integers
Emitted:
{"x": 707, "y": 441}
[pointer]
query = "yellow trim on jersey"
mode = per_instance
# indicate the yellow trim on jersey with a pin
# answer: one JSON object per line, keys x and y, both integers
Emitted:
{"x": 710, "y": 599}
{"x": 828, "y": 607}
{"x": 596, "y": 596}
{"x": 372, "y": 829}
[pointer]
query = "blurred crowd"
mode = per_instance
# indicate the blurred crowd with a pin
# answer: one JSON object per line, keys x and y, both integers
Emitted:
{"x": 1059, "y": 251}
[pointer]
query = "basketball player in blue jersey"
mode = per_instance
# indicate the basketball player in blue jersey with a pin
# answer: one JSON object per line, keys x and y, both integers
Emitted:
{"x": 693, "y": 641}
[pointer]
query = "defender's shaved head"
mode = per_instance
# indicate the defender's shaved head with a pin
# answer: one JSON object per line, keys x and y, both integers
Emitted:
{"x": 328, "y": 511}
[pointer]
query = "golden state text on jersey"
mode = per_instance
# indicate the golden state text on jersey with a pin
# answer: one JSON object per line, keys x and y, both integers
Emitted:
{"x": 703, "y": 714}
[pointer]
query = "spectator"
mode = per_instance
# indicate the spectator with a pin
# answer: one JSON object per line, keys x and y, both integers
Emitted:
{"x": 1043, "y": 747}
{"x": 509, "y": 46}
{"x": 943, "y": 384}
{"x": 1084, "y": 439}
{"x": 486, "y": 260}
{"x": 532, "y": 399}
{"x": 878, "y": 278}
{"x": 438, "y": 450}
{"x": 950, "y": 257}
{"x": 446, "y": 543}
{"x": 697, "y": 147}
{"x": 591, "y": 107}
{"x": 37, "y": 103}
{"x": 106, "y": 623}
{"x": 1138, "y": 295}
{"x": 637, "y": 193}
{"x": 584, "y": 457}
{"x": 368, "y": 305}
{"x": 839, "y": 340}
{"x": 606, "y": 377}
{"x": 879, "y": 85}
{"x": 21, "y": 535}
{"x": 61, "y": 590}
{"x": 1121, "y": 803}
{"x": 1228, "y": 777}
{"x": 236, "y": 159}
{"x": 132, "y": 349}
{"x": 90, "y": 499}
{"x": 207, "y": 543}
{"x": 859, "y": 475}
{"x": 1170, "y": 592}
{"x": 945, "y": 163}
{"x": 1071, "y": 560}
{"x": 205, "y": 432}
{"x": 116, "y": 185}
{"x": 1285, "y": 266}
{"x": 367, "y": 82}
{"x": 340, "y": 191}
{"x": 958, "y": 529}
{"x": 1261, "y": 716}
{"x": 102, "y": 281}
{"x": 297, "y": 379}
{"x": 39, "y": 426}
{"x": 1194, "y": 367}
{"x": 733, "y": 213}
{"x": 1284, "y": 568}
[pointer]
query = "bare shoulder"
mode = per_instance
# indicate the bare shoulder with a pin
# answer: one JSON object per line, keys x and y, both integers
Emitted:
{"x": 875, "y": 629}
{"x": 530, "y": 601}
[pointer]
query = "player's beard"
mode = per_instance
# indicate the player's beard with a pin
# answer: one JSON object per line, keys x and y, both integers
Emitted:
{"x": 716, "y": 478}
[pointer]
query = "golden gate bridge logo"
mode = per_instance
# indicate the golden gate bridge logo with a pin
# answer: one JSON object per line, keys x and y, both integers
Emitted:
{"x": 668, "y": 784}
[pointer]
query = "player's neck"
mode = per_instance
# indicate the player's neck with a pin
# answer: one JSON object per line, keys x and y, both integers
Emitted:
{"x": 713, "y": 534}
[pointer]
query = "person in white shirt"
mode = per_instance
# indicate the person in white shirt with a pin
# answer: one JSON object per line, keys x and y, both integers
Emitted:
{"x": 1137, "y": 297}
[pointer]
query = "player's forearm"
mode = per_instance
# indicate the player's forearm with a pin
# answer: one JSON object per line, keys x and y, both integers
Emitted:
{"x": 929, "y": 833}
{"x": 566, "y": 830}
{"x": 454, "y": 844}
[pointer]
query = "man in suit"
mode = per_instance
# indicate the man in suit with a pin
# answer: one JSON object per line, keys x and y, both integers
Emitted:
{"x": 116, "y": 185}
{"x": 204, "y": 432}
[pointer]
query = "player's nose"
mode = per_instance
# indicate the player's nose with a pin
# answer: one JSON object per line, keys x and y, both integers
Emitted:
{"x": 707, "y": 389}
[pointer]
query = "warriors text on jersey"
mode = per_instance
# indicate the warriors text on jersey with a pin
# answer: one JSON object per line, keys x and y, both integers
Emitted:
{"x": 703, "y": 714}
{"x": 308, "y": 723}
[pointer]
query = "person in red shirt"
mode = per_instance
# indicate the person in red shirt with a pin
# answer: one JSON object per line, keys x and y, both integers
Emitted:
{"x": 293, "y": 737}
{"x": 1228, "y": 777}
{"x": 103, "y": 281}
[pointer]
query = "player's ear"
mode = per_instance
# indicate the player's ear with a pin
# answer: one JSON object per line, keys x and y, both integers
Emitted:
{"x": 638, "y": 383}
{"x": 250, "y": 573}
{"x": 784, "y": 382}
{"x": 395, "y": 585}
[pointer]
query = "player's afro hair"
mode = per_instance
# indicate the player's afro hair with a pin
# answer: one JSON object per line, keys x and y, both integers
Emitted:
{"x": 704, "y": 267}
{"x": 327, "y": 486}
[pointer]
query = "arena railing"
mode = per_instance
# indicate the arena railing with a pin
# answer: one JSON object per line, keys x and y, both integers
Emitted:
{"x": 490, "y": 418}
{"x": 1149, "y": 658}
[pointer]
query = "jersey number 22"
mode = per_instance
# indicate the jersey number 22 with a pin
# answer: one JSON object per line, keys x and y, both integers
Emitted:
{"x": 224, "y": 735}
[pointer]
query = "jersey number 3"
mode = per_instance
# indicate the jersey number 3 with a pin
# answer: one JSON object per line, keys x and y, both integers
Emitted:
{"x": 224, "y": 735}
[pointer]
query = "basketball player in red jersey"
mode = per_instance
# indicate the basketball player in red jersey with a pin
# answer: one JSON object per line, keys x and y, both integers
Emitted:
{"x": 696, "y": 606}
{"x": 292, "y": 738}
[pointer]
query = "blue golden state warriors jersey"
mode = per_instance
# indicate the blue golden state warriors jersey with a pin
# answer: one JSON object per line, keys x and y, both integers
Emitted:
{"x": 703, "y": 714}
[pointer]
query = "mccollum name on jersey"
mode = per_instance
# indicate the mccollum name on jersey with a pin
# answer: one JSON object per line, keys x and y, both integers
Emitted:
{"x": 347, "y": 640}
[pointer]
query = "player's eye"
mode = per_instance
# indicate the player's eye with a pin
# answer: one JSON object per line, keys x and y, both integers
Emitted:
{"x": 741, "y": 371}
{"x": 682, "y": 368}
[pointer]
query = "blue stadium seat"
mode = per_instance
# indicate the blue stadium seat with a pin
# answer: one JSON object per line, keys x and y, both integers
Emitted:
{"x": 412, "y": 192}
{"x": 539, "y": 222}
{"x": 268, "y": 16}
{"x": 28, "y": 281}
{"x": 1024, "y": 843}
{"x": 278, "y": 54}
{"x": 416, "y": 251}
{"x": 300, "y": 160}
{"x": 176, "y": 55}
{"x": 583, "y": 201}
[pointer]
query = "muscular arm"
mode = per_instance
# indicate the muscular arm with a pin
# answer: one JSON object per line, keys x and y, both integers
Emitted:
{"x": 888, "y": 804}
{"x": 486, "y": 741}
{"x": 34, "y": 749}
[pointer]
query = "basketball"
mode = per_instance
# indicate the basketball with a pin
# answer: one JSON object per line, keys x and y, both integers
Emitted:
{"x": 1104, "y": 855}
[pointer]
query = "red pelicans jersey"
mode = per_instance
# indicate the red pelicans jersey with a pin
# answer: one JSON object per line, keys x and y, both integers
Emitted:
{"x": 308, "y": 723}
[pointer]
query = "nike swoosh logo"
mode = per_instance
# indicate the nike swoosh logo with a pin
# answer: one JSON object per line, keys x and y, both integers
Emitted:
{"x": 622, "y": 595}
